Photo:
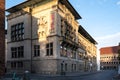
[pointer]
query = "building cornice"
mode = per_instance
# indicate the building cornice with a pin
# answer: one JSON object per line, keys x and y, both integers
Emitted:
{"x": 25, "y": 4}
{"x": 71, "y": 8}
{"x": 84, "y": 33}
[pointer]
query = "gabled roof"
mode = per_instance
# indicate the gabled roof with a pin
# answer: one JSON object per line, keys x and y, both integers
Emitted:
{"x": 84, "y": 33}
{"x": 109, "y": 50}
{"x": 32, "y": 2}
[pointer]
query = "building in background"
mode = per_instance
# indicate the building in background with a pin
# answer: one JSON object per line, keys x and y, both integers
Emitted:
{"x": 44, "y": 37}
{"x": 109, "y": 58}
{"x": 2, "y": 37}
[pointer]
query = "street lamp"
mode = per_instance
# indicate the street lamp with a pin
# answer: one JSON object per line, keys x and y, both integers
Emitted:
{"x": 91, "y": 66}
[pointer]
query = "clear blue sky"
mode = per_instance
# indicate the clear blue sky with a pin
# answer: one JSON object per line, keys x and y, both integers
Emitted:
{"x": 101, "y": 19}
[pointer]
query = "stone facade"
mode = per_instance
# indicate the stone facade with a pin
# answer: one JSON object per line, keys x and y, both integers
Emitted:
{"x": 43, "y": 38}
{"x": 109, "y": 58}
{"x": 2, "y": 37}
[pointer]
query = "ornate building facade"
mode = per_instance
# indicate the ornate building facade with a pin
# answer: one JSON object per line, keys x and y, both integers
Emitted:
{"x": 45, "y": 37}
{"x": 109, "y": 58}
{"x": 2, "y": 37}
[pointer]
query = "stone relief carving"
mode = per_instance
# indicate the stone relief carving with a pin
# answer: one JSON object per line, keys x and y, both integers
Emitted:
{"x": 42, "y": 27}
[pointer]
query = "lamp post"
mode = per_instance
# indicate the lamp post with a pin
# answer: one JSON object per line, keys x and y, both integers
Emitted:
{"x": 63, "y": 68}
{"x": 90, "y": 66}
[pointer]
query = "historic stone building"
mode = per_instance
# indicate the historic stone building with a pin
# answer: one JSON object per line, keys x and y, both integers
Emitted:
{"x": 88, "y": 44}
{"x": 109, "y": 58}
{"x": 45, "y": 37}
{"x": 2, "y": 37}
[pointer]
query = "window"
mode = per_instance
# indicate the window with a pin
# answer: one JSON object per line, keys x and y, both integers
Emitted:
{"x": 72, "y": 67}
{"x": 65, "y": 66}
{"x": 17, "y": 52}
{"x": 17, "y": 32}
{"x": 73, "y": 55}
{"x": 36, "y": 50}
{"x": 20, "y": 52}
{"x": 13, "y": 64}
{"x": 17, "y": 64}
{"x": 14, "y": 52}
{"x": 62, "y": 67}
{"x": 49, "y": 49}
{"x": 75, "y": 67}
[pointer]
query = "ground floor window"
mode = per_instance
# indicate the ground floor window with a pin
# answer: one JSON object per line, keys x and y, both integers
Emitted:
{"x": 16, "y": 64}
{"x": 17, "y": 52}
{"x": 65, "y": 66}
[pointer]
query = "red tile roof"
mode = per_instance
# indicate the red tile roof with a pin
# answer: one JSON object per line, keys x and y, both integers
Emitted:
{"x": 109, "y": 50}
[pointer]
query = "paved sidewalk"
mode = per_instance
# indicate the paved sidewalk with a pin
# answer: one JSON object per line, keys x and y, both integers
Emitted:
{"x": 69, "y": 74}
{"x": 45, "y": 77}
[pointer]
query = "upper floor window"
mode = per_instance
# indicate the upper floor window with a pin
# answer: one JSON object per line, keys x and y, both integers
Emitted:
{"x": 17, "y": 32}
{"x": 49, "y": 49}
{"x": 36, "y": 50}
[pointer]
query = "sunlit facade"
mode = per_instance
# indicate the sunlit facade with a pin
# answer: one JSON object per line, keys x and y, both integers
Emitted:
{"x": 44, "y": 37}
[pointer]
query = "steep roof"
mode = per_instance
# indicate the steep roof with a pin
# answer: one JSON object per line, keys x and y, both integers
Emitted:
{"x": 32, "y": 2}
{"x": 22, "y": 5}
{"x": 109, "y": 50}
{"x": 71, "y": 8}
{"x": 84, "y": 33}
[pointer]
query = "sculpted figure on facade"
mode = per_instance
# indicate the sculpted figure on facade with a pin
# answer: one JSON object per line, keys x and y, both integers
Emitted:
{"x": 42, "y": 27}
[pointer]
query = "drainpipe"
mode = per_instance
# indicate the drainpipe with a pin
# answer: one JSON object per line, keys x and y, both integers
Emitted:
{"x": 31, "y": 36}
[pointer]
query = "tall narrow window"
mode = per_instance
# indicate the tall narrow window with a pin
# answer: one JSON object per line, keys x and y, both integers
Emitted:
{"x": 49, "y": 49}
{"x": 14, "y": 52}
{"x": 65, "y": 66}
{"x": 36, "y": 50}
{"x": 61, "y": 67}
{"x": 20, "y": 52}
{"x": 72, "y": 67}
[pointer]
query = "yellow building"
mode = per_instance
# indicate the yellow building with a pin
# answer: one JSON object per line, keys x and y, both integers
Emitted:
{"x": 43, "y": 37}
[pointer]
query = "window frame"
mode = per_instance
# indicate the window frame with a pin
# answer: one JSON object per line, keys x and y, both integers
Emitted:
{"x": 36, "y": 50}
{"x": 49, "y": 49}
